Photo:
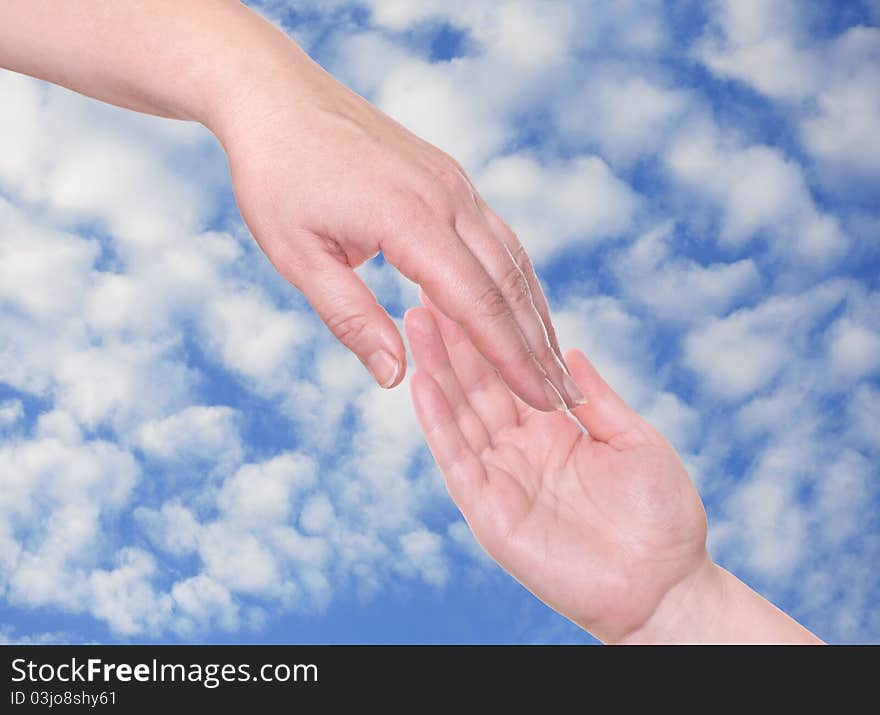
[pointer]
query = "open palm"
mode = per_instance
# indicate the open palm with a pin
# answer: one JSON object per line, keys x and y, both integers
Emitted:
{"x": 600, "y": 525}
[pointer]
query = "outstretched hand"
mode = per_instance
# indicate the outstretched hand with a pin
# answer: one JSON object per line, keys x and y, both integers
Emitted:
{"x": 600, "y": 525}
{"x": 323, "y": 178}
{"x": 325, "y": 181}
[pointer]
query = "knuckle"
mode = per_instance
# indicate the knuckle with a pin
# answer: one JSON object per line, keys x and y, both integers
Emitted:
{"x": 349, "y": 328}
{"x": 429, "y": 207}
{"x": 524, "y": 359}
{"x": 448, "y": 175}
{"x": 545, "y": 354}
{"x": 421, "y": 206}
{"x": 449, "y": 159}
{"x": 522, "y": 259}
{"x": 515, "y": 289}
{"x": 491, "y": 305}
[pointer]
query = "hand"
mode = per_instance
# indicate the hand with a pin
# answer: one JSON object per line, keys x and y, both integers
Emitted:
{"x": 601, "y": 526}
{"x": 325, "y": 180}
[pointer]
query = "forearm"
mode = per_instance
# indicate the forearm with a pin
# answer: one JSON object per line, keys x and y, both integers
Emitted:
{"x": 716, "y": 607}
{"x": 195, "y": 60}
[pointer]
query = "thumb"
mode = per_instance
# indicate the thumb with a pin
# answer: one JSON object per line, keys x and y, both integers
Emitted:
{"x": 605, "y": 415}
{"x": 351, "y": 312}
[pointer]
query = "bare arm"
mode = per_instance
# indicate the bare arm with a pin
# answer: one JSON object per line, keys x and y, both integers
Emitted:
{"x": 183, "y": 60}
{"x": 323, "y": 179}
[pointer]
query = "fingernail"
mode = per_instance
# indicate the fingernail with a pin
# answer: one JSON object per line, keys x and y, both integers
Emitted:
{"x": 574, "y": 394}
{"x": 553, "y": 395}
{"x": 563, "y": 363}
{"x": 383, "y": 367}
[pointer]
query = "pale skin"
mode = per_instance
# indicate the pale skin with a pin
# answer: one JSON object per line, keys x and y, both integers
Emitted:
{"x": 603, "y": 525}
{"x": 323, "y": 179}
{"x": 605, "y": 528}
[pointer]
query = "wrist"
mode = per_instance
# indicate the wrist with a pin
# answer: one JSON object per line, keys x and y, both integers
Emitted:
{"x": 260, "y": 71}
{"x": 688, "y": 612}
{"x": 714, "y": 606}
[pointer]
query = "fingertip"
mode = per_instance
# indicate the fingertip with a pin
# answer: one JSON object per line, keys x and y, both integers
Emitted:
{"x": 350, "y": 311}
{"x": 573, "y": 354}
{"x": 387, "y": 369}
{"x": 384, "y": 355}
{"x": 428, "y": 399}
{"x": 605, "y": 415}
{"x": 582, "y": 370}
{"x": 417, "y": 321}
{"x": 426, "y": 301}
{"x": 401, "y": 373}
{"x": 584, "y": 374}
{"x": 420, "y": 330}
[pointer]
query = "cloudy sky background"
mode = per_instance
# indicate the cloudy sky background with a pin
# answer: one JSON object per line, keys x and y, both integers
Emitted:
{"x": 187, "y": 456}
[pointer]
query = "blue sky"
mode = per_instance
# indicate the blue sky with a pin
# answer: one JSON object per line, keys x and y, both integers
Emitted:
{"x": 187, "y": 456}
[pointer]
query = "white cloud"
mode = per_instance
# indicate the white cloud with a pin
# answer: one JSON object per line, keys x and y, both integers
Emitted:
{"x": 434, "y": 102}
{"x": 615, "y": 341}
{"x": 172, "y": 529}
{"x": 576, "y": 202}
{"x": 735, "y": 356}
{"x": 527, "y": 33}
{"x": 11, "y": 411}
{"x": 54, "y": 500}
{"x": 628, "y": 116}
{"x": 750, "y": 40}
{"x": 843, "y": 130}
{"x": 159, "y": 288}
{"x": 259, "y": 494}
{"x": 42, "y": 271}
{"x": 253, "y": 337}
{"x": 59, "y": 425}
{"x": 853, "y": 349}
{"x": 746, "y": 350}
{"x": 830, "y": 82}
{"x": 204, "y": 433}
{"x": 119, "y": 313}
{"x": 760, "y": 192}
{"x": 423, "y": 551}
{"x": 772, "y": 522}
{"x": 317, "y": 514}
{"x": 103, "y": 175}
{"x": 675, "y": 419}
{"x": 202, "y": 602}
{"x": 238, "y": 560}
{"x": 468, "y": 106}
{"x": 38, "y": 473}
{"x": 121, "y": 382}
{"x": 863, "y": 417}
{"x": 843, "y": 492}
{"x": 385, "y": 496}
{"x": 124, "y": 597}
{"x": 676, "y": 288}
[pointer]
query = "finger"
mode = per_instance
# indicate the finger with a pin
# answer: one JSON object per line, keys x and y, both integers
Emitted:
{"x": 464, "y": 472}
{"x": 494, "y": 256}
{"x": 486, "y": 392}
{"x": 522, "y": 259}
{"x": 430, "y": 356}
{"x": 605, "y": 415}
{"x": 460, "y": 287}
{"x": 351, "y": 312}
